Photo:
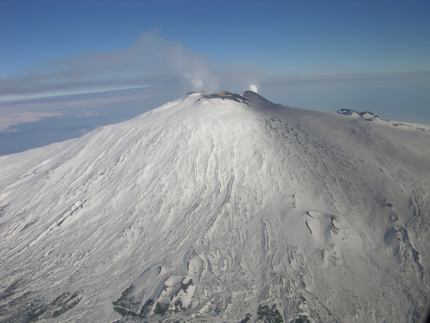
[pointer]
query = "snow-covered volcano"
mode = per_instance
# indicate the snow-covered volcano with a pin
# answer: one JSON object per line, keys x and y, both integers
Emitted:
{"x": 219, "y": 208}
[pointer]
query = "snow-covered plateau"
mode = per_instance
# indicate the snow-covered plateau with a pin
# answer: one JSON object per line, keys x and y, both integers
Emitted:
{"x": 219, "y": 208}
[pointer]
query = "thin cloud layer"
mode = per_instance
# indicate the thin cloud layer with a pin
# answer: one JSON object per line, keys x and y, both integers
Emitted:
{"x": 150, "y": 61}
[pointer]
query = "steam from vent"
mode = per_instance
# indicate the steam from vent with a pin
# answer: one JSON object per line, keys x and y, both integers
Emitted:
{"x": 253, "y": 88}
{"x": 151, "y": 61}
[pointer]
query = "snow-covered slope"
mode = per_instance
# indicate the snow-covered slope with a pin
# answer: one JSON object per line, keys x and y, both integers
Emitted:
{"x": 219, "y": 208}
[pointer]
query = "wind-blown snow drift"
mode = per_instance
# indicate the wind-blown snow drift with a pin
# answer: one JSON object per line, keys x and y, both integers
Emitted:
{"x": 219, "y": 208}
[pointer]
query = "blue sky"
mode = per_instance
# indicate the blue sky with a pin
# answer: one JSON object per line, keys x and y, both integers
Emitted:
{"x": 368, "y": 55}
{"x": 312, "y": 37}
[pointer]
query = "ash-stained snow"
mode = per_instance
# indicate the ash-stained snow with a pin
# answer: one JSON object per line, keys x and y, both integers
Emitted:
{"x": 219, "y": 208}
